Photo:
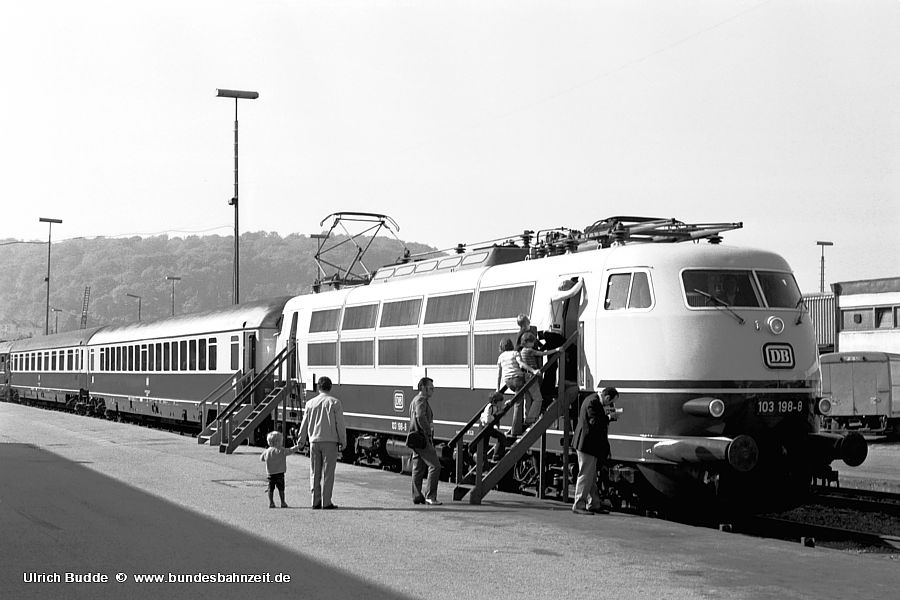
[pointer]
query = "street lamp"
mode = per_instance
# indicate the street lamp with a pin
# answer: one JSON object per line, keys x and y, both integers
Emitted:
{"x": 139, "y": 304}
{"x": 822, "y": 267}
{"x": 236, "y": 94}
{"x": 50, "y": 223}
{"x": 57, "y": 311}
{"x": 173, "y": 279}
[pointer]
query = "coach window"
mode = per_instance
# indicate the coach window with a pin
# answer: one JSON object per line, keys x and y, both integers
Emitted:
{"x": 212, "y": 354}
{"x": 70, "y": 360}
{"x": 359, "y": 317}
{"x": 446, "y": 350}
{"x": 201, "y": 355}
{"x": 174, "y": 356}
{"x": 144, "y": 358}
{"x": 897, "y": 316}
{"x": 52, "y": 361}
{"x": 235, "y": 353}
{"x": 358, "y": 353}
{"x": 398, "y": 352}
{"x": 151, "y": 357}
{"x": 324, "y": 320}
{"x": 400, "y": 313}
{"x": 183, "y": 355}
{"x": 504, "y": 303}
{"x": 322, "y": 355}
{"x": 193, "y": 349}
{"x": 448, "y": 309}
{"x": 167, "y": 356}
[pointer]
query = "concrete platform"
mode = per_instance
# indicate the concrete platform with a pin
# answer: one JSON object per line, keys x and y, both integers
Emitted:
{"x": 85, "y": 496}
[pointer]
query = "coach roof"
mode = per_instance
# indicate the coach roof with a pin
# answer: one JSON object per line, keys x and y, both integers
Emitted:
{"x": 67, "y": 339}
{"x": 261, "y": 314}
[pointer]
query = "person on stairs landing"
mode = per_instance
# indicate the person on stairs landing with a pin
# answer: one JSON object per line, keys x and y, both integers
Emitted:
{"x": 323, "y": 426}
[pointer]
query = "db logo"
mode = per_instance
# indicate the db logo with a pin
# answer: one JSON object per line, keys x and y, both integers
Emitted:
{"x": 398, "y": 401}
{"x": 778, "y": 356}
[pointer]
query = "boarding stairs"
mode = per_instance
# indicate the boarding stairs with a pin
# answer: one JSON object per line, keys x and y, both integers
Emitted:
{"x": 241, "y": 417}
{"x": 210, "y": 432}
{"x": 478, "y": 480}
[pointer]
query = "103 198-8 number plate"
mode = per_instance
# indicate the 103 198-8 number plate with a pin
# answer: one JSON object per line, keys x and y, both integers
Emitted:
{"x": 774, "y": 406}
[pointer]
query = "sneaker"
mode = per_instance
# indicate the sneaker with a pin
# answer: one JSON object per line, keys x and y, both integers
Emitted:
{"x": 431, "y": 502}
{"x": 582, "y": 511}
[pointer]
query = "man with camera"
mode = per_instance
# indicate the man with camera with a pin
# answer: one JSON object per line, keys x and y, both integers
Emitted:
{"x": 591, "y": 443}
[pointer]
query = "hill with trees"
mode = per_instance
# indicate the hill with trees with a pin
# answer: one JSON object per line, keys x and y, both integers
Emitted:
{"x": 270, "y": 266}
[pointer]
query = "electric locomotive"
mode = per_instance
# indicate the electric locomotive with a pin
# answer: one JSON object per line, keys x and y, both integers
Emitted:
{"x": 709, "y": 346}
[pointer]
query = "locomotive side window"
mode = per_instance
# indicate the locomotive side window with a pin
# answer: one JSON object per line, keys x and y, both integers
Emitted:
{"x": 504, "y": 303}
{"x": 448, "y": 309}
{"x": 487, "y": 346}
{"x": 358, "y": 353}
{"x": 628, "y": 290}
{"x": 322, "y": 355}
{"x": 359, "y": 317}
{"x": 710, "y": 288}
{"x": 398, "y": 352}
{"x": 404, "y": 312}
{"x": 779, "y": 289}
{"x": 324, "y": 320}
{"x": 445, "y": 350}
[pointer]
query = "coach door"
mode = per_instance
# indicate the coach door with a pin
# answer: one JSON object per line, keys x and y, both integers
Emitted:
{"x": 870, "y": 388}
{"x": 250, "y": 351}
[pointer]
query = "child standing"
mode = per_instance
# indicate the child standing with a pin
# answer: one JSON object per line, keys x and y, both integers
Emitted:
{"x": 275, "y": 457}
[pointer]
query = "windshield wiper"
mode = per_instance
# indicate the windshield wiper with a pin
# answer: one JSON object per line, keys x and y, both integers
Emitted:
{"x": 800, "y": 302}
{"x": 722, "y": 303}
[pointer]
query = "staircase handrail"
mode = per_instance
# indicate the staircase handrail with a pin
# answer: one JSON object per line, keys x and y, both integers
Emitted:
{"x": 235, "y": 379}
{"x": 241, "y": 397}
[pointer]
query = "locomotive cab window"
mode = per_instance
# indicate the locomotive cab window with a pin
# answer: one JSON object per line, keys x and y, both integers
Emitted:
{"x": 710, "y": 288}
{"x": 779, "y": 289}
{"x": 628, "y": 291}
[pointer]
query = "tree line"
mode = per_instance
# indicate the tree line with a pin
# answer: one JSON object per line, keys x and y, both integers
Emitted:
{"x": 270, "y": 266}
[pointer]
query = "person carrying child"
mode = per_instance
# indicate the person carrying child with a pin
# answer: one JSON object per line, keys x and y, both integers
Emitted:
{"x": 275, "y": 457}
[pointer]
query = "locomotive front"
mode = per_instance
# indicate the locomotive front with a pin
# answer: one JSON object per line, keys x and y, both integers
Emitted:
{"x": 718, "y": 378}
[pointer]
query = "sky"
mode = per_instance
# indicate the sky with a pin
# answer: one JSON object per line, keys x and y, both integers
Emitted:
{"x": 462, "y": 121}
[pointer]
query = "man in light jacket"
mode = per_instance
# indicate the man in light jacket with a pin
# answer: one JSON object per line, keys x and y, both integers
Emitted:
{"x": 323, "y": 426}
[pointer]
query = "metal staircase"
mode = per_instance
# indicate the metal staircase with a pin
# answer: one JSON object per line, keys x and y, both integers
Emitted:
{"x": 252, "y": 420}
{"x": 235, "y": 423}
{"x": 210, "y": 430}
{"x": 485, "y": 476}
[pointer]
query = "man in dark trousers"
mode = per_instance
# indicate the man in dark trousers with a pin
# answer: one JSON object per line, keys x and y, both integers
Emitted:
{"x": 591, "y": 443}
{"x": 425, "y": 459}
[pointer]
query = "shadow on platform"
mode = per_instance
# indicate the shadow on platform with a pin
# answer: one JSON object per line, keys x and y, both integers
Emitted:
{"x": 58, "y": 517}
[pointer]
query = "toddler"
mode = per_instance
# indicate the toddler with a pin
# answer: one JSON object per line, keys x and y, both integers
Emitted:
{"x": 275, "y": 457}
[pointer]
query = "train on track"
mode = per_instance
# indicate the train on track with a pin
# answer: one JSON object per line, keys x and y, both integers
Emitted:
{"x": 710, "y": 347}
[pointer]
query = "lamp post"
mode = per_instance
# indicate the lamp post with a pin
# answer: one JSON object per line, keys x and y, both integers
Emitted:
{"x": 236, "y": 94}
{"x": 173, "y": 279}
{"x": 139, "y": 304}
{"x": 50, "y": 223}
{"x": 822, "y": 265}
{"x": 57, "y": 311}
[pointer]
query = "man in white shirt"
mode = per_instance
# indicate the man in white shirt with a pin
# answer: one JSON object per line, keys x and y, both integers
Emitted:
{"x": 323, "y": 426}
